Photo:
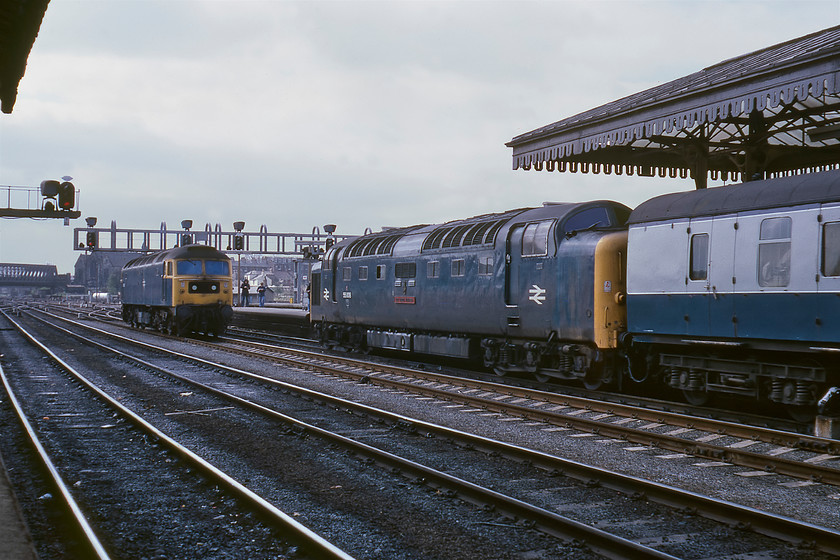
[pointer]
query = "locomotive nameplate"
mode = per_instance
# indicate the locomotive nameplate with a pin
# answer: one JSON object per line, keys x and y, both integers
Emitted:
{"x": 405, "y": 299}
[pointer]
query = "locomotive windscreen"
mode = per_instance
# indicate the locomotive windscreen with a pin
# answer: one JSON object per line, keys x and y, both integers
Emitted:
{"x": 189, "y": 267}
{"x": 217, "y": 268}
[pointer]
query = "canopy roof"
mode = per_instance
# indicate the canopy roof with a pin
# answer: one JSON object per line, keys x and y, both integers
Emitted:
{"x": 770, "y": 113}
{"x": 20, "y": 21}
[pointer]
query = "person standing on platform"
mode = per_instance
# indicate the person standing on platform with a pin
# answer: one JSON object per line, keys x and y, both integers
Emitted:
{"x": 261, "y": 293}
{"x": 245, "y": 293}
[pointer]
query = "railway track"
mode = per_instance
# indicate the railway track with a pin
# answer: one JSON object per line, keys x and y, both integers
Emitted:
{"x": 268, "y": 334}
{"x": 747, "y": 445}
{"x": 770, "y": 525}
{"x": 793, "y": 454}
{"x": 123, "y": 486}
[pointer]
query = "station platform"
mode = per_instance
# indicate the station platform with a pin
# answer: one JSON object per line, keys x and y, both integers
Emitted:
{"x": 273, "y": 308}
{"x": 14, "y": 536}
{"x": 283, "y": 318}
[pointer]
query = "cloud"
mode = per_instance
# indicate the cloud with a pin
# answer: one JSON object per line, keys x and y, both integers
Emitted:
{"x": 297, "y": 114}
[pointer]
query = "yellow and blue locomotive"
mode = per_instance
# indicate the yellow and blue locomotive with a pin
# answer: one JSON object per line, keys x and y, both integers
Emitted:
{"x": 179, "y": 291}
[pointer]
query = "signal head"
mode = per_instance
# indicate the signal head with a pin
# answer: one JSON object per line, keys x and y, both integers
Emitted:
{"x": 66, "y": 196}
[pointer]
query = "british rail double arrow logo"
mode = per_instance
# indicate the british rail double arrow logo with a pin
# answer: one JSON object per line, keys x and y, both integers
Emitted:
{"x": 537, "y": 294}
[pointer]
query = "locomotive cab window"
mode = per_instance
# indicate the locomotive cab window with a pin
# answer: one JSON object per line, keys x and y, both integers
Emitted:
{"x": 698, "y": 266}
{"x": 217, "y": 268}
{"x": 188, "y": 267}
{"x": 831, "y": 249}
{"x": 535, "y": 239}
{"x": 588, "y": 219}
{"x": 774, "y": 252}
{"x": 169, "y": 268}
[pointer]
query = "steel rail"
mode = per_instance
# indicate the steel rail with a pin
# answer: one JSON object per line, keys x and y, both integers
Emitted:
{"x": 93, "y": 542}
{"x": 739, "y": 457}
{"x": 722, "y": 427}
{"x": 308, "y": 539}
{"x": 602, "y": 542}
{"x": 780, "y": 527}
{"x": 768, "y": 435}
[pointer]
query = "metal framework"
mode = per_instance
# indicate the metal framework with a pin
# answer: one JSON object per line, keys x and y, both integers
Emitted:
{"x": 28, "y": 202}
{"x": 114, "y": 239}
{"x": 774, "y": 112}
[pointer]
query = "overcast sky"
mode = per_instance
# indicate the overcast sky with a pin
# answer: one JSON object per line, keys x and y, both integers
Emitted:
{"x": 362, "y": 114}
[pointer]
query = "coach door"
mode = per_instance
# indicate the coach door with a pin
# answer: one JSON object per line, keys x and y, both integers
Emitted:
{"x": 829, "y": 243}
{"x": 709, "y": 309}
{"x": 698, "y": 281}
{"x": 722, "y": 279}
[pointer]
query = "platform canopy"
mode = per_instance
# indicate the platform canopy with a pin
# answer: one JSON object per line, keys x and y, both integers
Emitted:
{"x": 20, "y": 21}
{"x": 770, "y": 113}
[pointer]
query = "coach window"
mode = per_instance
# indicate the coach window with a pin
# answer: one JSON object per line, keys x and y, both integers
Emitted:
{"x": 485, "y": 265}
{"x": 433, "y": 269}
{"x": 363, "y": 273}
{"x": 698, "y": 267}
{"x": 458, "y": 267}
{"x": 774, "y": 252}
{"x": 380, "y": 272}
{"x": 535, "y": 239}
{"x": 831, "y": 249}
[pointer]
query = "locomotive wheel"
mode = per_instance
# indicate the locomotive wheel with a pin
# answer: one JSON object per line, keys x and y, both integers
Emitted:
{"x": 593, "y": 381}
{"x": 541, "y": 377}
{"x": 696, "y": 398}
{"x": 800, "y": 413}
{"x": 501, "y": 372}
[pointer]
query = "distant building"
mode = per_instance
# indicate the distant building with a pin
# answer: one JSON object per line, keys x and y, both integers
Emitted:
{"x": 99, "y": 271}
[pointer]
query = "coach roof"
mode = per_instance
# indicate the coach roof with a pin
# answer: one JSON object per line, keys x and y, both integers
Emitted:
{"x": 812, "y": 188}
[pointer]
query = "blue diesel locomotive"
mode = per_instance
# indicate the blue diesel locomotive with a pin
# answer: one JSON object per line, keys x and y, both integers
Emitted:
{"x": 179, "y": 291}
{"x": 731, "y": 290}
{"x": 536, "y": 290}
